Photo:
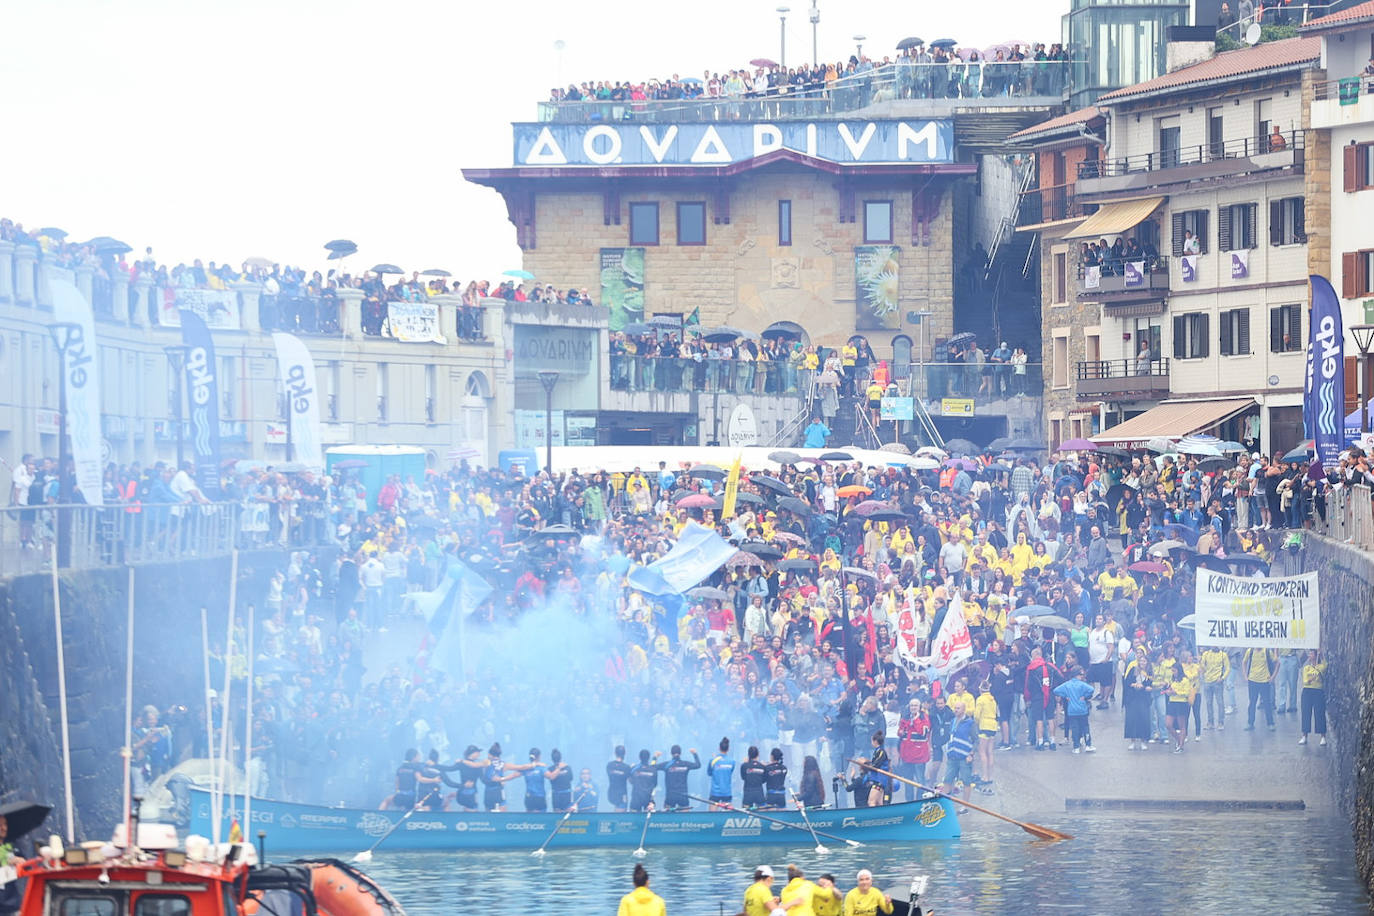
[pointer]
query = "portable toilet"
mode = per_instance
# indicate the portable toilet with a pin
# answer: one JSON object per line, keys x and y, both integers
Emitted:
{"x": 378, "y": 463}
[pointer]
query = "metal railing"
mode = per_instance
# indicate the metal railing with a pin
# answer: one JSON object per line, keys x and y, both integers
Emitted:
{"x": 988, "y": 82}
{"x": 1099, "y": 369}
{"x": 983, "y": 383}
{"x": 1041, "y": 205}
{"x": 682, "y": 374}
{"x": 1124, "y": 275}
{"x": 1349, "y": 516}
{"x": 1347, "y": 89}
{"x": 1239, "y": 148}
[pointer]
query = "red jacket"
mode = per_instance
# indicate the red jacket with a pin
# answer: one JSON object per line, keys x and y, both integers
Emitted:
{"x": 1040, "y": 675}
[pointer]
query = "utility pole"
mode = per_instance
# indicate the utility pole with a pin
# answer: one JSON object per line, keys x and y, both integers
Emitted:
{"x": 782, "y": 32}
{"x": 815, "y": 21}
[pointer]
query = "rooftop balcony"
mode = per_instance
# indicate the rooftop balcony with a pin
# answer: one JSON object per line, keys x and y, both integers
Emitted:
{"x": 1122, "y": 380}
{"x": 1191, "y": 163}
{"x": 1344, "y": 101}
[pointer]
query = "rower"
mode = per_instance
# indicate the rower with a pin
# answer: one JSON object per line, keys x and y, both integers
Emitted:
{"x": 585, "y": 793}
{"x": 406, "y": 773}
{"x": 469, "y": 770}
{"x": 775, "y": 781}
{"x": 560, "y": 780}
{"x": 721, "y": 769}
{"x": 617, "y": 778}
{"x": 494, "y": 778}
{"x": 536, "y": 796}
{"x": 675, "y": 778}
{"x": 643, "y": 782}
{"x": 751, "y": 774}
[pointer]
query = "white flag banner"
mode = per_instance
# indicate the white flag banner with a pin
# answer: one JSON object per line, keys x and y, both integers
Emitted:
{"x": 82, "y": 368}
{"x": 1236, "y": 612}
{"x": 297, "y": 369}
{"x": 952, "y": 646}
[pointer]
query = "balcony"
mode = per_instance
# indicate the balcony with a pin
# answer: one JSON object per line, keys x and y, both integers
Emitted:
{"x": 1045, "y": 205}
{"x": 1344, "y": 101}
{"x": 1123, "y": 280}
{"x": 1122, "y": 379}
{"x": 1191, "y": 163}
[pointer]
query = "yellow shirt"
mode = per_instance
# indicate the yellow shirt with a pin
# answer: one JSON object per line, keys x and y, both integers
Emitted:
{"x": 799, "y": 889}
{"x": 874, "y": 392}
{"x": 1216, "y": 664}
{"x": 641, "y": 902}
{"x": 849, "y": 355}
{"x": 866, "y": 903}
{"x": 985, "y": 713}
{"x": 1164, "y": 670}
{"x": 758, "y": 899}
{"x": 827, "y": 901}
{"x": 963, "y": 697}
{"x": 1258, "y": 669}
{"x": 1312, "y": 675}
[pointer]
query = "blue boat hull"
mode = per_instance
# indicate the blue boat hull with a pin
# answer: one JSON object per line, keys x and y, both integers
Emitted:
{"x": 311, "y": 828}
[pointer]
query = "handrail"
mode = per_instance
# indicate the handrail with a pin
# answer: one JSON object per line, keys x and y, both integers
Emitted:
{"x": 1097, "y": 369}
{"x": 1238, "y": 148}
{"x": 1347, "y": 89}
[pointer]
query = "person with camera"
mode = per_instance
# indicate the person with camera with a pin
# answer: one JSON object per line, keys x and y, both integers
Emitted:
{"x": 152, "y": 749}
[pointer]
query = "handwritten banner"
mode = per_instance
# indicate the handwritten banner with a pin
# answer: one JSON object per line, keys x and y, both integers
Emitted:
{"x": 1270, "y": 613}
{"x": 414, "y": 322}
{"x": 218, "y": 308}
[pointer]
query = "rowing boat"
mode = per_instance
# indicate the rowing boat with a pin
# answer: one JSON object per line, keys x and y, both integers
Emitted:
{"x": 318, "y": 829}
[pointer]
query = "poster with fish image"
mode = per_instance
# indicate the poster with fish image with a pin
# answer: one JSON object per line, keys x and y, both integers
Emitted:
{"x": 876, "y": 288}
{"x": 622, "y": 285}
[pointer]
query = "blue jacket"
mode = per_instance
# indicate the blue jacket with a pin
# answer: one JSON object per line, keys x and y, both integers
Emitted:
{"x": 960, "y": 743}
{"x": 1077, "y": 692}
{"x": 816, "y": 434}
{"x": 721, "y": 769}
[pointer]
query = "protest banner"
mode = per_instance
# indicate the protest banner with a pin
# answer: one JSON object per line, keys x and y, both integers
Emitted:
{"x": 1270, "y": 613}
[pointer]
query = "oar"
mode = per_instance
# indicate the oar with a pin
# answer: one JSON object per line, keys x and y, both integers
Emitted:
{"x": 820, "y": 850}
{"x": 640, "y": 852}
{"x": 1036, "y": 830}
{"x": 539, "y": 853}
{"x": 366, "y": 855}
{"x": 773, "y": 820}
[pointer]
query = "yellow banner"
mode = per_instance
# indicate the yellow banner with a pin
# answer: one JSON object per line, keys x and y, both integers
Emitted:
{"x": 731, "y": 487}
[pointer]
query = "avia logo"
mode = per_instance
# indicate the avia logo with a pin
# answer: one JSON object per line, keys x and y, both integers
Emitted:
{"x": 736, "y": 822}
{"x": 741, "y": 826}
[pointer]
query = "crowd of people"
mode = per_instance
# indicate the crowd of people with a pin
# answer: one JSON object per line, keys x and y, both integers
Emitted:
{"x": 795, "y": 660}
{"x": 1112, "y": 258}
{"x": 942, "y": 70}
{"x": 822, "y": 897}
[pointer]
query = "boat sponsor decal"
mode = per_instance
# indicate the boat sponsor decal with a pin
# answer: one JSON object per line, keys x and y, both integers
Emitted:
{"x": 871, "y": 822}
{"x": 667, "y": 826}
{"x": 518, "y": 826}
{"x": 288, "y": 821}
{"x": 322, "y": 821}
{"x": 474, "y": 827}
{"x": 371, "y": 824}
{"x": 741, "y": 826}
{"x": 426, "y": 825}
{"x": 931, "y": 813}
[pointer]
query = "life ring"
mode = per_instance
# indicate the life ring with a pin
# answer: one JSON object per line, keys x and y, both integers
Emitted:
{"x": 343, "y": 891}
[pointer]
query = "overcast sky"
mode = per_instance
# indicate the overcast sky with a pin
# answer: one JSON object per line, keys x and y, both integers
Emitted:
{"x": 228, "y": 129}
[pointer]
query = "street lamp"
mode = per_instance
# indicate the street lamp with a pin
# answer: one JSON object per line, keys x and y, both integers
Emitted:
{"x": 782, "y": 31}
{"x": 63, "y": 332}
{"x": 815, "y": 22}
{"x": 176, "y": 356}
{"x": 859, "y": 45}
{"x": 1364, "y": 339}
{"x": 548, "y": 378}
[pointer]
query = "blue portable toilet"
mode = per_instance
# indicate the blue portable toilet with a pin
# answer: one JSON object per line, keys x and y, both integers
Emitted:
{"x": 526, "y": 459}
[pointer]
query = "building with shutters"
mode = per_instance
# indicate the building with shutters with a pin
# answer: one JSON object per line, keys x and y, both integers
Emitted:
{"x": 1202, "y": 321}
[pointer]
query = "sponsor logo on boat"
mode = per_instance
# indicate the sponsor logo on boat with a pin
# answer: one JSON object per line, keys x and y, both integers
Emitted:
{"x": 426, "y": 825}
{"x": 372, "y": 824}
{"x": 871, "y": 822}
{"x": 741, "y": 826}
{"x": 288, "y": 821}
{"x": 322, "y": 820}
{"x": 474, "y": 826}
{"x": 931, "y": 813}
{"x": 605, "y": 828}
{"x": 524, "y": 825}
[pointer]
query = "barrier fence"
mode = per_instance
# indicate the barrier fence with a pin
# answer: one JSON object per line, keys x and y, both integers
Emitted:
{"x": 1349, "y": 516}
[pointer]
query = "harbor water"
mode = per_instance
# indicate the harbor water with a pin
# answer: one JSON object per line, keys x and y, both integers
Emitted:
{"x": 1118, "y": 862}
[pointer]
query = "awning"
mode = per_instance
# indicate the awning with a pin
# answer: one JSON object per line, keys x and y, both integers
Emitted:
{"x": 1115, "y": 218}
{"x": 1173, "y": 420}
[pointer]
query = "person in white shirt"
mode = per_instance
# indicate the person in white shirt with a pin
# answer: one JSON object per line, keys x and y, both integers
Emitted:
{"x": 372, "y": 575}
{"x": 21, "y": 478}
{"x": 1101, "y": 655}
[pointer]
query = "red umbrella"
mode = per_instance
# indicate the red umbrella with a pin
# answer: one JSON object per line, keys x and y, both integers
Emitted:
{"x": 869, "y": 506}
{"x": 1148, "y": 566}
{"x": 696, "y": 501}
{"x": 853, "y": 489}
{"x": 762, "y": 62}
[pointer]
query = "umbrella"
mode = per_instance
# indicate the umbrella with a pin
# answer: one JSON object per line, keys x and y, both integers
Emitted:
{"x": 932, "y": 450}
{"x": 341, "y": 253}
{"x": 696, "y": 501}
{"x": 259, "y": 261}
{"x": 350, "y": 463}
{"x": 783, "y": 456}
{"x": 1247, "y": 559}
{"x": 922, "y": 463}
{"x": 752, "y": 499}
{"x": 869, "y": 506}
{"x": 896, "y": 448}
{"x": 386, "y": 269}
{"x": 707, "y": 472}
{"x": 792, "y": 504}
{"x": 1111, "y": 450}
{"x": 635, "y": 327}
{"x": 775, "y": 331}
{"x": 798, "y": 564}
{"x": 435, "y": 272}
{"x": 1301, "y": 453}
{"x": 945, "y": 43}
{"x": 1188, "y": 621}
{"x": 741, "y": 560}
{"x": 961, "y": 446}
{"x": 709, "y": 593}
{"x": 962, "y": 463}
{"x": 555, "y": 531}
{"x": 1050, "y": 620}
{"x": 771, "y": 483}
{"x": 907, "y": 44}
{"x": 21, "y": 817}
{"x": 1031, "y": 611}
{"x": 853, "y": 489}
{"x": 53, "y": 232}
{"x": 1025, "y": 445}
{"x": 341, "y": 245}
{"x": 665, "y": 321}
{"x": 887, "y": 515}
{"x": 521, "y": 274}
{"x": 1197, "y": 448}
{"x": 836, "y": 456}
{"x": 1077, "y": 445}
{"x": 1163, "y": 547}
{"x": 966, "y": 53}
{"x": 1181, "y": 532}
{"x": 690, "y": 80}
{"x": 764, "y": 551}
{"x": 788, "y": 537}
{"x": 1229, "y": 447}
{"x": 860, "y": 572}
{"x": 1160, "y": 444}
{"x": 1148, "y": 566}
{"x": 1114, "y": 494}
{"x": 1000, "y": 443}
{"x": 963, "y": 337}
{"x": 103, "y": 244}
{"x": 721, "y": 334}
{"x": 1215, "y": 464}
{"x": 762, "y": 62}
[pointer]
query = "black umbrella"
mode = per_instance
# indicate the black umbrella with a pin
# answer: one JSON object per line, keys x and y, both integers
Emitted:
{"x": 945, "y": 43}
{"x": 721, "y": 335}
{"x": 771, "y": 483}
{"x": 963, "y": 337}
{"x": 1111, "y": 450}
{"x": 386, "y": 269}
{"x": 907, "y": 44}
{"x": 1114, "y": 495}
{"x": 752, "y": 499}
{"x": 860, "y": 572}
{"x": 553, "y": 531}
{"x": 340, "y": 253}
{"x": 1215, "y": 464}
{"x": 783, "y": 456}
{"x": 103, "y": 244}
{"x": 798, "y": 564}
{"x": 792, "y": 504}
{"x": 776, "y": 332}
{"x": 762, "y": 551}
{"x": 961, "y": 446}
{"x": 1247, "y": 560}
{"x": 21, "y": 817}
{"x": 635, "y": 327}
{"x": 836, "y": 456}
{"x": 887, "y": 515}
{"x": 707, "y": 472}
{"x": 1001, "y": 442}
{"x": 435, "y": 272}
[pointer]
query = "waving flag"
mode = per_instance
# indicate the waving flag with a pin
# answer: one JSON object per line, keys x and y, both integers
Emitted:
{"x": 1324, "y": 390}
{"x": 952, "y": 646}
{"x": 460, "y": 593}
{"x": 699, "y": 551}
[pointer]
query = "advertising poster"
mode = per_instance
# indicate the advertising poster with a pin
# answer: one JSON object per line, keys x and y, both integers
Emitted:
{"x": 877, "y": 287}
{"x": 622, "y": 285}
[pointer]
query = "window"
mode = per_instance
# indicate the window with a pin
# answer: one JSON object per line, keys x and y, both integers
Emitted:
{"x": 162, "y": 905}
{"x": 1060, "y": 366}
{"x": 877, "y": 221}
{"x": 1236, "y": 227}
{"x": 1153, "y": 333}
{"x": 643, "y": 223}
{"x": 1285, "y": 329}
{"x": 1190, "y": 336}
{"x": 1194, "y": 221}
{"x": 1216, "y": 138}
{"x": 691, "y": 223}
{"x": 332, "y": 379}
{"x": 1092, "y": 347}
{"x": 784, "y": 222}
{"x": 88, "y": 906}
{"x": 1264, "y": 115}
{"x": 383, "y": 389}
{"x": 1235, "y": 332}
{"x": 1357, "y": 270}
{"x": 1358, "y": 166}
{"x": 431, "y": 392}
{"x": 1286, "y": 221}
{"x": 1061, "y": 281}
{"x": 1169, "y": 139}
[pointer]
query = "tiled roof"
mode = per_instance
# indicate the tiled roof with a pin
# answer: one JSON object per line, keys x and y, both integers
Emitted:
{"x": 1272, "y": 55}
{"x": 1073, "y": 118}
{"x": 1358, "y": 13}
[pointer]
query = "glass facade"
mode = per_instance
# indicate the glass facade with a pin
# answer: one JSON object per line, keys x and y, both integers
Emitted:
{"x": 1116, "y": 44}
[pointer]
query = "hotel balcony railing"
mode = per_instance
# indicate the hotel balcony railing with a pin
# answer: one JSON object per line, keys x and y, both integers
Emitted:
{"x": 1240, "y": 149}
{"x": 1122, "y": 379}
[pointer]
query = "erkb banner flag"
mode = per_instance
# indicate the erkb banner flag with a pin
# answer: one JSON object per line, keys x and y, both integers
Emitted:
{"x": 202, "y": 394}
{"x": 297, "y": 369}
{"x": 1323, "y": 404}
{"x": 83, "y": 386}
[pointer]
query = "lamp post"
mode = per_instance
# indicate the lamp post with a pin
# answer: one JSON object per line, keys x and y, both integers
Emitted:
{"x": 63, "y": 333}
{"x": 548, "y": 378}
{"x": 1364, "y": 339}
{"x": 815, "y": 22}
{"x": 859, "y": 46}
{"x": 782, "y": 32}
{"x": 176, "y": 357}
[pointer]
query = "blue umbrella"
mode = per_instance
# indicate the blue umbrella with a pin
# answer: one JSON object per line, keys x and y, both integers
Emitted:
{"x": 522, "y": 274}
{"x": 691, "y": 81}
{"x": 943, "y": 43}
